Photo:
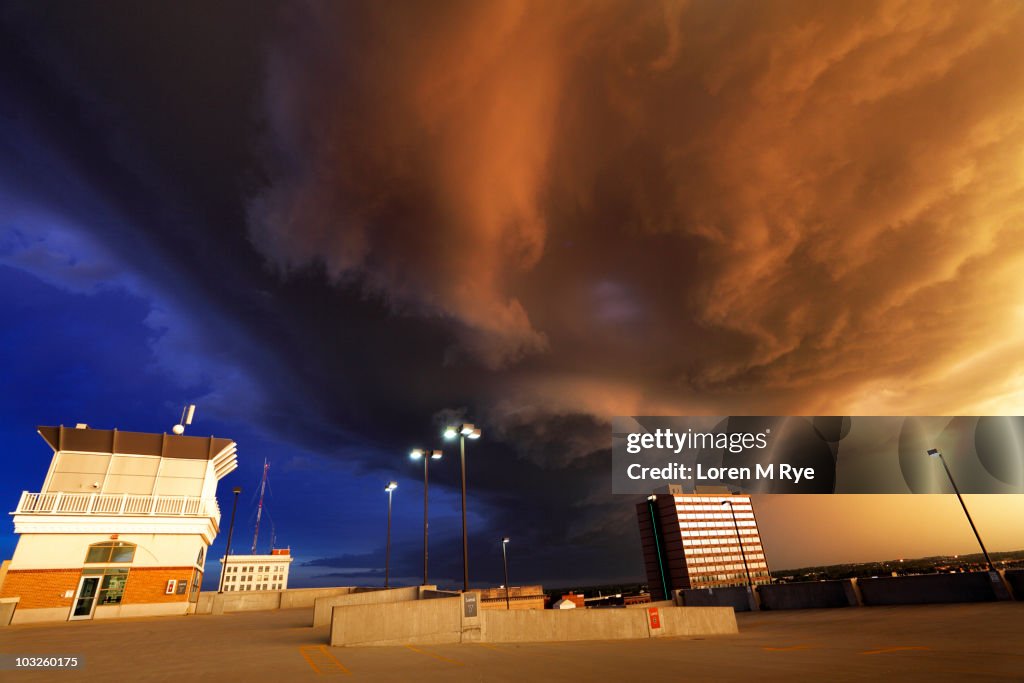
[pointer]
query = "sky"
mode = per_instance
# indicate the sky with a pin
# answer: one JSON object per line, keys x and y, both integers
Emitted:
{"x": 336, "y": 227}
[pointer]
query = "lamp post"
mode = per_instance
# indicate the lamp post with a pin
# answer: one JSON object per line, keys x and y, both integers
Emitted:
{"x": 504, "y": 557}
{"x": 231, "y": 530}
{"x": 936, "y": 453}
{"x": 463, "y": 431}
{"x": 652, "y": 501}
{"x": 390, "y": 488}
{"x": 743, "y": 554}
{"x": 427, "y": 456}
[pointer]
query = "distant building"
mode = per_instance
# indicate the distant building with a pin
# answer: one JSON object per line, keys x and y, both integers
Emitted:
{"x": 575, "y": 598}
{"x": 120, "y": 526}
{"x": 519, "y": 597}
{"x": 564, "y": 603}
{"x": 257, "y": 572}
{"x": 640, "y": 599}
{"x": 689, "y": 541}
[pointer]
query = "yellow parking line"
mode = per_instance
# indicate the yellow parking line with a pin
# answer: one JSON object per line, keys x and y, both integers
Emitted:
{"x": 895, "y": 649}
{"x": 308, "y": 660}
{"x": 785, "y": 649}
{"x": 334, "y": 660}
{"x": 436, "y": 656}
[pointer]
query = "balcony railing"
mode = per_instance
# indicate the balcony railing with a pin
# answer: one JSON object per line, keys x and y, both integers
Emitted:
{"x": 115, "y": 504}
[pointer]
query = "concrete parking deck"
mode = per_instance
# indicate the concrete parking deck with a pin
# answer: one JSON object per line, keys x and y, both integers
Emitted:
{"x": 932, "y": 642}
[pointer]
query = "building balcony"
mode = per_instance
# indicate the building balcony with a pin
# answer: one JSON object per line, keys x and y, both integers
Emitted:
{"x": 116, "y": 504}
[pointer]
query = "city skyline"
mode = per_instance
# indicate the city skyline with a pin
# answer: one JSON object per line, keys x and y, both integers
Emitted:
{"x": 338, "y": 227}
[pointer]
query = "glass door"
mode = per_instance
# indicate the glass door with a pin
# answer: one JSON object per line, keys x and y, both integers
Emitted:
{"x": 85, "y": 599}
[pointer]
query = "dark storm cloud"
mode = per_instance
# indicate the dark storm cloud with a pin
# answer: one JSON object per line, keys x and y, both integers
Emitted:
{"x": 537, "y": 216}
{"x": 586, "y": 183}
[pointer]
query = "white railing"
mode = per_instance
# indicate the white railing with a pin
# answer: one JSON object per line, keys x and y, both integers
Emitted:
{"x": 114, "y": 504}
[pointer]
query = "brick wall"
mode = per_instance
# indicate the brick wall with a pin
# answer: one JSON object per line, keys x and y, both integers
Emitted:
{"x": 39, "y": 588}
{"x": 147, "y": 584}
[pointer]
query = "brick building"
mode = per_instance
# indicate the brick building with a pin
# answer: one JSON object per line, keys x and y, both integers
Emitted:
{"x": 519, "y": 597}
{"x": 120, "y": 526}
{"x": 690, "y": 540}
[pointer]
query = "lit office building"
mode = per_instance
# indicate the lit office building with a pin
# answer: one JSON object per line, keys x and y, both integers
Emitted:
{"x": 257, "y": 572}
{"x": 120, "y": 526}
{"x": 690, "y": 541}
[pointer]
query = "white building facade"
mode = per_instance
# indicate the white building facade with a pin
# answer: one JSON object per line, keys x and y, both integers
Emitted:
{"x": 256, "y": 572}
{"x": 120, "y": 527}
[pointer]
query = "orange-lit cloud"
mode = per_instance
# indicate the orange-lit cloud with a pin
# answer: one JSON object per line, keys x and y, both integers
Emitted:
{"x": 750, "y": 207}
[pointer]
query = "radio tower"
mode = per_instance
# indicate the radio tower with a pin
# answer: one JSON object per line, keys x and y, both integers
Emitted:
{"x": 259, "y": 508}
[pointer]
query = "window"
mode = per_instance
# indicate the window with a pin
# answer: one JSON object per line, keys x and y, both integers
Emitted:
{"x": 202, "y": 553}
{"x": 110, "y": 551}
{"x": 112, "y": 585}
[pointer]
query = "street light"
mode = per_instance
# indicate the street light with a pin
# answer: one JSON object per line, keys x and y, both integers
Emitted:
{"x": 390, "y": 488}
{"x": 231, "y": 530}
{"x": 743, "y": 554}
{"x": 463, "y": 431}
{"x": 652, "y": 501}
{"x": 504, "y": 556}
{"x": 416, "y": 454}
{"x": 936, "y": 453}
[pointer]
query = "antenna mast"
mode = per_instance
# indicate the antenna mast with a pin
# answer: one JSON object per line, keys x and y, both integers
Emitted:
{"x": 259, "y": 509}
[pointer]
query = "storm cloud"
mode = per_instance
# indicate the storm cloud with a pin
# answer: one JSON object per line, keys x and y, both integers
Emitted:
{"x": 339, "y": 225}
{"x": 680, "y": 204}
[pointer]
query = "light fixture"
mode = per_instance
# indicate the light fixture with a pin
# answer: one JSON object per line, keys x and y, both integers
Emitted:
{"x": 463, "y": 431}
{"x": 416, "y": 453}
{"x": 392, "y": 485}
{"x": 936, "y": 453}
{"x": 435, "y": 455}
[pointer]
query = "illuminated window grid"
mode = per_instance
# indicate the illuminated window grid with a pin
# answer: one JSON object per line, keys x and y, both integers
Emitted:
{"x": 712, "y": 555}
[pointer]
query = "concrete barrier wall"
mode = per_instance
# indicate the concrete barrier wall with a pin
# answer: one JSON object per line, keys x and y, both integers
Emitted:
{"x": 443, "y": 620}
{"x": 1015, "y": 577}
{"x": 219, "y": 603}
{"x": 808, "y": 595}
{"x": 514, "y": 626}
{"x": 7, "y": 607}
{"x": 927, "y": 588}
{"x": 294, "y": 598}
{"x": 245, "y": 601}
{"x": 736, "y": 597}
{"x": 423, "y": 622}
{"x": 605, "y": 624}
{"x": 694, "y": 621}
{"x": 322, "y": 607}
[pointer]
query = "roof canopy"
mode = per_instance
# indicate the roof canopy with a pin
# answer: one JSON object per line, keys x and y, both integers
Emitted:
{"x": 135, "y": 443}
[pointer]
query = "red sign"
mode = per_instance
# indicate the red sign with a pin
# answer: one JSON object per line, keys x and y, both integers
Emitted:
{"x": 652, "y": 614}
{"x": 169, "y": 590}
